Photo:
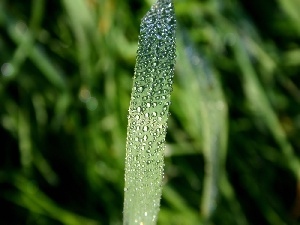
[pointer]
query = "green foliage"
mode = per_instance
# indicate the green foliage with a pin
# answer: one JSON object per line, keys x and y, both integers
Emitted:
{"x": 232, "y": 144}
{"x": 148, "y": 114}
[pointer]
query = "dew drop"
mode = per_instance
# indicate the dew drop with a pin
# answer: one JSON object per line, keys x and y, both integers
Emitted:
{"x": 140, "y": 89}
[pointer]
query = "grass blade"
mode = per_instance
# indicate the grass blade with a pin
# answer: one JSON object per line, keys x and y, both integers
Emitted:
{"x": 210, "y": 111}
{"x": 261, "y": 106}
{"x": 148, "y": 114}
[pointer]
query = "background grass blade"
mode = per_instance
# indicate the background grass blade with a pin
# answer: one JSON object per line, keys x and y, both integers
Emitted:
{"x": 209, "y": 110}
{"x": 262, "y": 108}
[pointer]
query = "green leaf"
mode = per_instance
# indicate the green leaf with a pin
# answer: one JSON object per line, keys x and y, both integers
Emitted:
{"x": 148, "y": 114}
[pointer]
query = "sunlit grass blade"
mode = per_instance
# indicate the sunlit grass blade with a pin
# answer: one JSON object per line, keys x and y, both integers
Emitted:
{"x": 148, "y": 114}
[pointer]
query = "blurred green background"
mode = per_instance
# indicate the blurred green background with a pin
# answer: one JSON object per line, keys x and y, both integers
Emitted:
{"x": 65, "y": 84}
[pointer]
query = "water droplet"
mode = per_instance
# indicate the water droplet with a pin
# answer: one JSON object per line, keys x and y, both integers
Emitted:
{"x": 140, "y": 89}
{"x": 150, "y": 80}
